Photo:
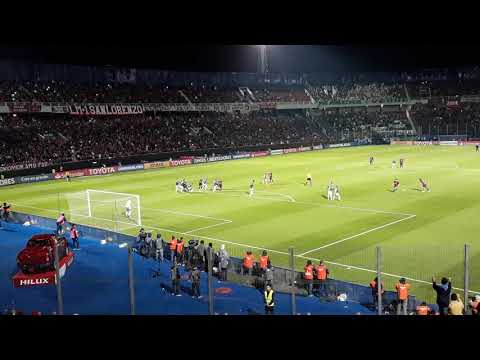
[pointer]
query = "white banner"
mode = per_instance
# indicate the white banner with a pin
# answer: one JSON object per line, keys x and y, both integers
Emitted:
{"x": 107, "y": 109}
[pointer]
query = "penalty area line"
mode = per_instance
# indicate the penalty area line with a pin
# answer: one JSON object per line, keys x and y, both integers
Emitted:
{"x": 357, "y": 235}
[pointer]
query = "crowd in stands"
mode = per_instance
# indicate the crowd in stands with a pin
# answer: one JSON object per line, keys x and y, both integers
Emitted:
{"x": 341, "y": 92}
{"x": 348, "y": 124}
{"x": 440, "y": 119}
{"x": 61, "y": 138}
{"x": 60, "y": 92}
{"x": 348, "y": 93}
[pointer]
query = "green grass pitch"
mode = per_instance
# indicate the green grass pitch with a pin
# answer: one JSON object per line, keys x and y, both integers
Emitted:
{"x": 421, "y": 234}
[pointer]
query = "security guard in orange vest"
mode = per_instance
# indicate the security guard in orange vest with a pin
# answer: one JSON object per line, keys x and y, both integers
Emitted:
{"x": 248, "y": 260}
{"x": 402, "y": 288}
{"x": 263, "y": 262}
{"x": 180, "y": 245}
{"x": 374, "y": 287}
{"x": 321, "y": 272}
{"x": 308, "y": 276}
{"x": 423, "y": 309}
{"x": 269, "y": 300}
{"x": 173, "y": 249}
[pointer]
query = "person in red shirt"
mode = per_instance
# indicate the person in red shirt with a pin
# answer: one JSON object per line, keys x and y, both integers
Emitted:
{"x": 308, "y": 277}
{"x": 402, "y": 288}
{"x": 180, "y": 245}
{"x": 173, "y": 249}
{"x": 321, "y": 272}
{"x": 248, "y": 260}
{"x": 74, "y": 236}
{"x": 423, "y": 309}
{"x": 263, "y": 262}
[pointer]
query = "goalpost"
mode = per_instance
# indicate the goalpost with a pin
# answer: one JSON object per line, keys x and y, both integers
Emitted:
{"x": 106, "y": 209}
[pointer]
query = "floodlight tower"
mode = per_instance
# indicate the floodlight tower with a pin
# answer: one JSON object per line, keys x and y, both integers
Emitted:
{"x": 262, "y": 63}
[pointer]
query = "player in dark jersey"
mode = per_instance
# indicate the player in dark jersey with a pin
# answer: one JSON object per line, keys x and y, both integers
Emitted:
{"x": 396, "y": 185}
{"x": 371, "y": 160}
{"x": 401, "y": 163}
{"x": 476, "y": 147}
{"x": 6, "y": 211}
{"x": 424, "y": 185}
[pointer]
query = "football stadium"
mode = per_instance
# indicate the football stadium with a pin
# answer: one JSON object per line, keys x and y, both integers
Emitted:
{"x": 135, "y": 191}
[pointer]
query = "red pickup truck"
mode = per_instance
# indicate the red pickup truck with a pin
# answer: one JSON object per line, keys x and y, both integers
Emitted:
{"x": 38, "y": 256}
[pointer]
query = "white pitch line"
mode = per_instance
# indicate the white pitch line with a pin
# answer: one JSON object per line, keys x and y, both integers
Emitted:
{"x": 357, "y": 235}
{"x": 186, "y": 214}
{"x": 208, "y": 227}
{"x": 383, "y": 273}
{"x": 327, "y": 205}
{"x": 279, "y": 252}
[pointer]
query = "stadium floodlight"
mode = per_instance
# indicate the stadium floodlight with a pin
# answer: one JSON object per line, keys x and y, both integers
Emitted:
{"x": 262, "y": 63}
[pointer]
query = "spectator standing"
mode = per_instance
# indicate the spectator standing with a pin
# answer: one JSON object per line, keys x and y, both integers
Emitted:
{"x": 269, "y": 275}
{"x": 248, "y": 260}
{"x": 173, "y": 249}
{"x": 374, "y": 287}
{"x": 74, "y": 236}
{"x": 456, "y": 306}
{"x": 224, "y": 259}
{"x": 269, "y": 300}
{"x": 175, "y": 277}
{"x": 6, "y": 209}
{"x": 209, "y": 249}
{"x": 180, "y": 250}
{"x": 475, "y": 305}
{"x": 322, "y": 272}
{"x": 159, "y": 243}
{"x": 195, "y": 277}
{"x": 423, "y": 309}
{"x": 61, "y": 223}
{"x": 402, "y": 288}
{"x": 443, "y": 294}
{"x": 263, "y": 262}
{"x": 308, "y": 277}
{"x": 201, "y": 254}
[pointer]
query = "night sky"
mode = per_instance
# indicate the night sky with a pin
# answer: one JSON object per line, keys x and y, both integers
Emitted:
{"x": 243, "y": 58}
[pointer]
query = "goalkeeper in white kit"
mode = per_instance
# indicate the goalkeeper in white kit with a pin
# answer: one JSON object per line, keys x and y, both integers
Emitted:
{"x": 128, "y": 208}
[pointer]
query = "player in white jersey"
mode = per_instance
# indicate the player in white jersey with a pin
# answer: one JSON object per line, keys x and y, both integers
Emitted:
{"x": 252, "y": 188}
{"x": 178, "y": 186}
{"x": 394, "y": 164}
{"x": 337, "y": 193}
{"x": 330, "y": 191}
{"x": 204, "y": 185}
{"x": 128, "y": 208}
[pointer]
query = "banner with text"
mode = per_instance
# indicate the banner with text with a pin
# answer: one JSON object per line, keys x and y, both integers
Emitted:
{"x": 219, "y": 158}
{"x": 103, "y": 170}
{"x": 276, "y": 152}
{"x": 260, "y": 154}
{"x": 241, "y": 156}
{"x": 106, "y": 109}
{"x": 175, "y": 163}
{"x": 156, "y": 164}
{"x": 131, "y": 167}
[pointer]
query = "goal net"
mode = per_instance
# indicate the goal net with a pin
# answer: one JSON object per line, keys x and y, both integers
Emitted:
{"x": 105, "y": 209}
